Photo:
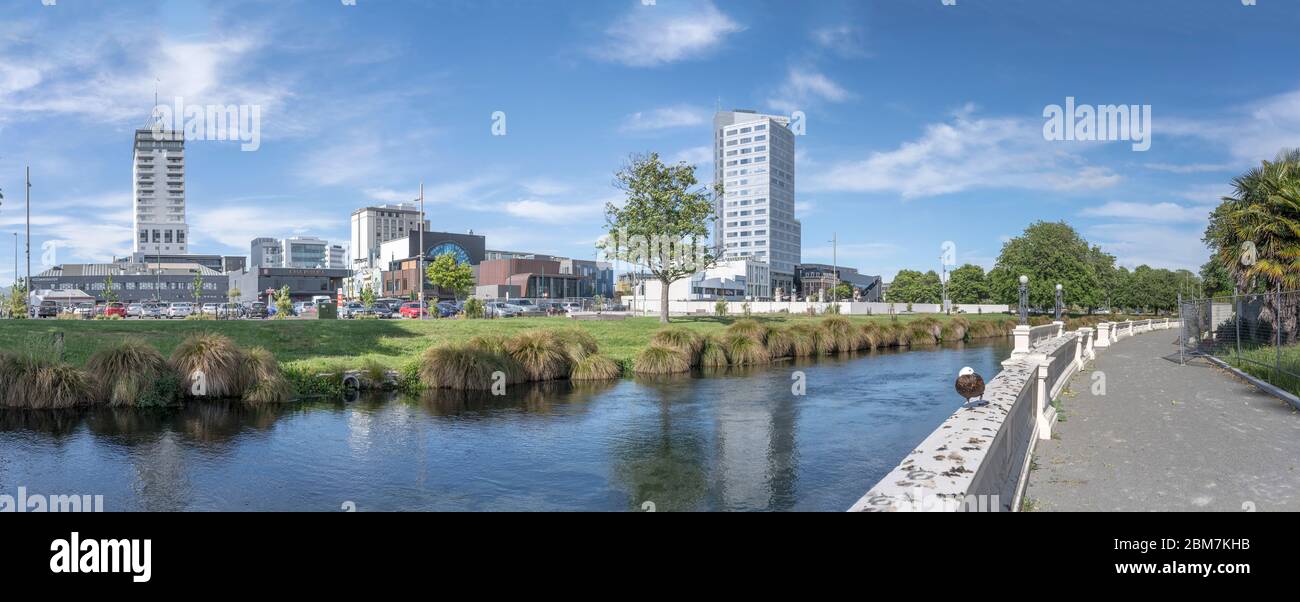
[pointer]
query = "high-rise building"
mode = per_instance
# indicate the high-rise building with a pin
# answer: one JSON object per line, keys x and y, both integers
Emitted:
{"x": 158, "y": 191}
{"x": 305, "y": 252}
{"x": 374, "y": 226}
{"x": 337, "y": 258}
{"x": 753, "y": 159}
{"x": 266, "y": 253}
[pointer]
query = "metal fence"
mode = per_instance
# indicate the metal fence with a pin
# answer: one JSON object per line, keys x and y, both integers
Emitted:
{"x": 1255, "y": 332}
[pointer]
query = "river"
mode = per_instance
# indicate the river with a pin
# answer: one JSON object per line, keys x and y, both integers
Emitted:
{"x": 736, "y": 441}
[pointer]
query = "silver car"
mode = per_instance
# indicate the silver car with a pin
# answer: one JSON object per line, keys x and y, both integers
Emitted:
{"x": 150, "y": 310}
{"x": 179, "y": 310}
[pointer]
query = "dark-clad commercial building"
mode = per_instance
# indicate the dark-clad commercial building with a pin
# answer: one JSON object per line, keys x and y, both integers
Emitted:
{"x": 303, "y": 283}
{"x": 218, "y": 263}
{"x": 401, "y": 260}
{"x": 544, "y": 279}
{"x": 136, "y": 282}
{"x": 814, "y": 277}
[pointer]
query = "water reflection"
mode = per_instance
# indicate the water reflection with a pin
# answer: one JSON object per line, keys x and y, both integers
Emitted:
{"x": 735, "y": 439}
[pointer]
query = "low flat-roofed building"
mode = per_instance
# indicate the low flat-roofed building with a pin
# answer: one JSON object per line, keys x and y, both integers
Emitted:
{"x": 136, "y": 282}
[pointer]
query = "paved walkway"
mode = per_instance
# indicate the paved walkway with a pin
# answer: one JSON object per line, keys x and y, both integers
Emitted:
{"x": 1166, "y": 437}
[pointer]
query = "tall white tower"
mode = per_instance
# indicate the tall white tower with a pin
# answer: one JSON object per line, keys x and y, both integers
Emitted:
{"x": 158, "y": 188}
{"x": 753, "y": 158}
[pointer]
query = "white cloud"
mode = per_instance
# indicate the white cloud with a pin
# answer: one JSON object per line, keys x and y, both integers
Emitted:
{"x": 1156, "y": 246}
{"x": 804, "y": 87}
{"x": 858, "y": 255}
{"x": 966, "y": 153}
{"x": 659, "y": 34}
{"x": 844, "y": 40}
{"x": 236, "y": 226}
{"x": 1188, "y": 168}
{"x": 1253, "y": 133}
{"x": 554, "y": 213}
{"x": 664, "y": 118}
{"x": 700, "y": 156}
{"x": 1151, "y": 212}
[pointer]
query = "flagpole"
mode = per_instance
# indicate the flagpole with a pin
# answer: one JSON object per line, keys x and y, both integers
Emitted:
{"x": 27, "y": 284}
{"x": 420, "y": 276}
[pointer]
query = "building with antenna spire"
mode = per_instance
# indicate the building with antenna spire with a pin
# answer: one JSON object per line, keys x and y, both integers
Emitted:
{"x": 158, "y": 190}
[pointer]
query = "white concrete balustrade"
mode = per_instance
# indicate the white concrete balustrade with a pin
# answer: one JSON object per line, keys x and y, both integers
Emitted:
{"x": 978, "y": 459}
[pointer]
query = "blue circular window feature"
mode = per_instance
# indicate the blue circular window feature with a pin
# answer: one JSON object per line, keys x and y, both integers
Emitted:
{"x": 456, "y": 251}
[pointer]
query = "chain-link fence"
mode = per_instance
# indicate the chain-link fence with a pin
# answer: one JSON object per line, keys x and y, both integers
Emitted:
{"x": 1256, "y": 333}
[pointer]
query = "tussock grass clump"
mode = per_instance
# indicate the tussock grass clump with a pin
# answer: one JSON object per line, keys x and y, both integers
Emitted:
{"x": 931, "y": 324}
{"x": 494, "y": 343}
{"x": 713, "y": 354}
{"x": 463, "y": 367}
{"x": 778, "y": 343}
{"x": 595, "y": 366}
{"x": 804, "y": 340}
{"x": 873, "y": 336}
{"x": 132, "y": 373}
{"x": 896, "y": 335}
{"x": 660, "y": 359}
{"x": 750, "y": 328}
{"x": 577, "y": 343}
{"x": 921, "y": 333}
{"x": 216, "y": 357}
{"x": 744, "y": 350}
{"x": 842, "y": 334}
{"x": 683, "y": 339}
{"x": 985, "y": 329}
{"x": 541, "y": 354}
{"x": 264, "y": 383}
{"x": 38, "y": 382}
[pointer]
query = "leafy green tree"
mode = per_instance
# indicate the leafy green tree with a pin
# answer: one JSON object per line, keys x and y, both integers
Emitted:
{"x": 18, "y": 299}
{"x": 662, "y": 224}
{"x": 368, "y": 298}
{"x": 473, "y": 308}
{"x": 968, "y": 284}
{"x": 1103, "y": 265}
{"x": 1215, "y": 280}
{"x": 911, "y": 286}
{"x": 840, "y": 292}
{"x": 110, "y": 296}
{"x": 1049, "y": 253}
{"x": 233, "y": 294}
{"x": 198, "y": 287}
{"x": 446, "y": 274}
{"x": 283, "y": 304}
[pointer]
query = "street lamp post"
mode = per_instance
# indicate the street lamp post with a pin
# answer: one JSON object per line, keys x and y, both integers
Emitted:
{"x": 1024, "y": 300}
{"x": 1059, "y": 294}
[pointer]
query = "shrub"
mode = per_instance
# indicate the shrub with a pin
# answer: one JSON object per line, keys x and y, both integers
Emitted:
{"x": 659, "y": 359}
{"x": 594, "y": 366}
{"x": 720, "y": 308}
{"x": 833, "y": 309}
{"x": 473, "y": 308}
{"x": 216, "y": 357}
{"x": 744, "y": 350}
{"x": 133, "y": 373}
{"x": 746, "y": 309}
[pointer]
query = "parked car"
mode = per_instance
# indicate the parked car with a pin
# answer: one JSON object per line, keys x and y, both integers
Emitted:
{"x": 447, "y": 309}
{"x": 47, "y": 309}
{"x": 412, "y": 310}
{"x": 499, "y": 309}
{"x": 114, "y": 309}
{"x": 209, "y": 309}
{"x": 133, "y": 310}
{"x": 382, "y": 310}
{"x": 151, "y": 310}
{"x": 527, "y": 308}
{"x": 571, "y": 307}
{"x": 180, "y": 310}
{"x": 230, "y": 310}
{"x": 256, "y": 309}
{"x": 85, "y": 310}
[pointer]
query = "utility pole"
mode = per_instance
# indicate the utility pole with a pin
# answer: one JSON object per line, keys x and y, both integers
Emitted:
{"x": 420, "y": 263}
{"x": 835, "y": 267}
{"x": 943, "y": 282}
{"x": 27, "y": 284}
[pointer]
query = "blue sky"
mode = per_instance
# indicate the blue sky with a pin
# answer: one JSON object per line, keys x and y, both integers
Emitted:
{"x": 924, "y": 120}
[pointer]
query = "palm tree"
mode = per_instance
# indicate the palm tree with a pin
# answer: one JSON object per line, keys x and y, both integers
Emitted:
{"x": 1263, "y": 210}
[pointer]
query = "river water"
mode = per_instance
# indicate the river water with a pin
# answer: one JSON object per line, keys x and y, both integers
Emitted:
{"x": 738, "y": 440}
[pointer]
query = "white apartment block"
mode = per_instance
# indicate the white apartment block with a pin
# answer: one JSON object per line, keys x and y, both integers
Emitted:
{"x": 305, "y": 252}
{"x": 736, "y": 280}
{"x": 158, "y": 192}
{"x": 266, "y": 253}
{"x": 337, "y": 258}
{"x": 374, "y": 226}
{"x": 754, "y": 161}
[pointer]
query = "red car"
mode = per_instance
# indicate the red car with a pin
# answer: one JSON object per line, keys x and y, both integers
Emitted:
{"x": 115, "y": 309}
{"x": 411, "y": 310}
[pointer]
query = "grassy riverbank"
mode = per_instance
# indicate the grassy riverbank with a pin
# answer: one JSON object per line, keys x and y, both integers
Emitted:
{"x": 331, "y": 344}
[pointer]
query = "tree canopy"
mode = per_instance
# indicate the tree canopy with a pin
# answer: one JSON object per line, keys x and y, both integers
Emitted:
{"x": 911, "y": 286}
{"x": 968, "y": 284}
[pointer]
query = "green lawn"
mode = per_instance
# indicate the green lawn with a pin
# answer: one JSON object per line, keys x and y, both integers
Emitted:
{"x": 1263, "y": 362}
{"x": 328, "y": 344}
